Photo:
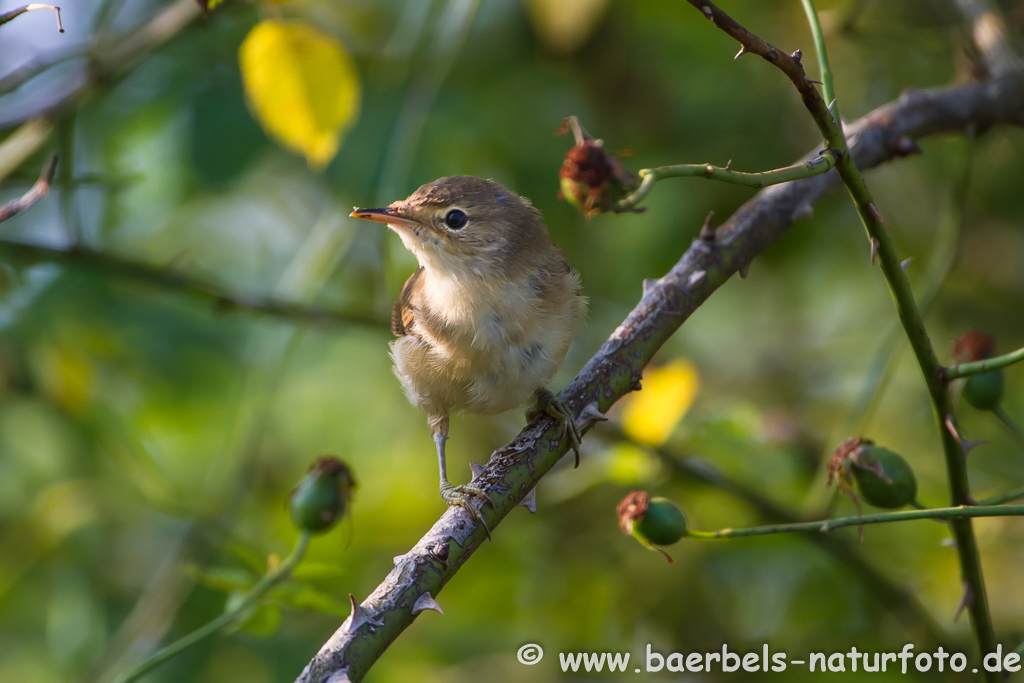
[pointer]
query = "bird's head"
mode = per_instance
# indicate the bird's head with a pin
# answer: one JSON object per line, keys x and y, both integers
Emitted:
{"x": 462, "y": 223}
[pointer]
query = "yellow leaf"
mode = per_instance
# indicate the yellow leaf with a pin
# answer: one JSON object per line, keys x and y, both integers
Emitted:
{"x": 302, "y": 87}
{"x": 650, "y": 415}
{"x": 565, "y": 25}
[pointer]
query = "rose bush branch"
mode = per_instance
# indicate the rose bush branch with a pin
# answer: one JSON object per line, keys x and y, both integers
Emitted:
{"x": 176, "y": 281}
{"x": 990, "y": 33}
{"x": 827, "y": 87}
{"x": 825, "y": 162}
{"x": 825, "y": 525}
{"x": 514, "y": 470}
{"x": 982, "y": 366}
{"x": 1009, "y": 496}
{"x": 899, "y": 286}
{"x": 34, "y": 194}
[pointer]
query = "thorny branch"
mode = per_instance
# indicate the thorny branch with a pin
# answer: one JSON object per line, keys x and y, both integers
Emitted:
{"x": 170, "y": 279}
{"x": 975, "y": 599}
{"x": 615, "y": 370}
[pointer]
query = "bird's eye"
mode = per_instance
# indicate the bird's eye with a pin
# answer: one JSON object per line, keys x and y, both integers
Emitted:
{"x": 456, "y": 219}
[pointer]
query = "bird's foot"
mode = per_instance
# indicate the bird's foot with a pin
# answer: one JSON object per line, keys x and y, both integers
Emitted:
{"x": 549, "y": 404}
{"x": 463, "y": 496}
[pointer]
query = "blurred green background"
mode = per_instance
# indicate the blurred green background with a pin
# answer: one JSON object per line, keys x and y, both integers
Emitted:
{"x": 148, "y": 440}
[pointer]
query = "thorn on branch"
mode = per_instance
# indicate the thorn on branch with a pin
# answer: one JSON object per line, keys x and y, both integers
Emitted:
{"x": 906, "y": 262}
{"x": 358, "y": 617}
{"x": 797, "y": 56}
{"x": 906, "y": 147}
{"x": 803, "y": 210}
{"x": 425, "y": 602}
{"x": 707, "y": 232}
{"x": 744, "y": 270}
{"x": 650, "y": 284}
{"x": 743, "y": 51}
{"x": 874, "y": 250}
{"x": 529, "y": 501}
{"x": 970, "y": 444}
{"x": 873, "y": 210}
{"x": 590, "y": 415}
{"x": 966, "y": 601}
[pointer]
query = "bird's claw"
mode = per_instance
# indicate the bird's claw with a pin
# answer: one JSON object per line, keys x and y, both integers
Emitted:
{"x": 549, "y": 404}
{"x": 462, "y": 496}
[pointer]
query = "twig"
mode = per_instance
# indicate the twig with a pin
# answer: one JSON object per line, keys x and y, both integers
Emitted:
{"x": 116, "y": 58}
{"x": 826, "y": 525}
{"x": 940, "y": 263}
{"x": 25, "y": 72}
{"x": 176, "y": 281}
{"x": 877, "y": 585}
{"x": 805, "y": 169}
{"x": 12, "y": 14}
{"x": 1009, "y": 423}
{"x": 35, "y": 193}
{"x": 250, "y": 599}
{"x": 515, "y": 469}
{"x": 990, "y": 34}
{"x": 1009, "y": 496}
{"x": 982, "y": 366}
{"x": 828, "y": 89}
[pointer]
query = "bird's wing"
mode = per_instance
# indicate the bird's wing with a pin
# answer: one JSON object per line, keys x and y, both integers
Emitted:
{"x": 402, "y": 313}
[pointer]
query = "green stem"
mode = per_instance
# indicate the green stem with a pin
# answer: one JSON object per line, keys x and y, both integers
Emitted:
{"x": 819, "y": 46}
{"x": 981, "y": 366}
{"x": 1009, "y": 423}
{"x": 269, "y": 580}
{"x": 896, "y": 598}
{"x": 934, "y": 373}
{"x": 1015, "y": 494}
{"x": 805, "y": 169}
{"x": 953, "y": 513}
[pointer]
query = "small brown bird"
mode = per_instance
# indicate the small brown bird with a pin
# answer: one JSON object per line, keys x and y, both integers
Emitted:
{"x": 485, "y": 321}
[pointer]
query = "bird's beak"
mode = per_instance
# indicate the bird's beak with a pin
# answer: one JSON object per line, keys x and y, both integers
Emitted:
{"x": 389, "y": 216}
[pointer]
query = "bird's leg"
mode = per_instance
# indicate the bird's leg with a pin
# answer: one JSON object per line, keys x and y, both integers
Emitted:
{"x": 549, "y": 404}
{"x": 455, "y": 495}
